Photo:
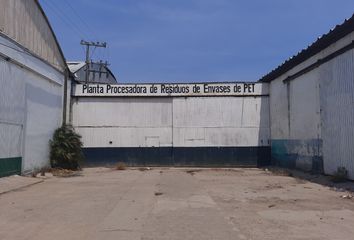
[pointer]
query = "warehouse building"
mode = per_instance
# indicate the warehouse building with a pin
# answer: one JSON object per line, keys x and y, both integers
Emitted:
{"x": 199, "y": 124}
{"x": 312, "y": 105}
{"x": 32, "y": 77}
{"x": 305, "y": 118}
{"x": 300, "y": 115}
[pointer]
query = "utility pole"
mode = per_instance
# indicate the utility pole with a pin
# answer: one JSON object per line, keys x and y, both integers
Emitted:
{"x": 88, "y": 45}
{"x": 102, "y": 65}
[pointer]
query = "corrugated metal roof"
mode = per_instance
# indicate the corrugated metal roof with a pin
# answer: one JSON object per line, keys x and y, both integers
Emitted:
{"x": 320, "y": 44}
{"x": 75, "y": 66}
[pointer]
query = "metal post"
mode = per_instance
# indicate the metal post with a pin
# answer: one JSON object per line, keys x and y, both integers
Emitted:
{"x": 88, "y": 44}
{"x": 87, "y": 63}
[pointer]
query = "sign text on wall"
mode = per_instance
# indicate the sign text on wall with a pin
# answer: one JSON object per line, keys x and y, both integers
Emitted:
{"x": 160, "y": 90}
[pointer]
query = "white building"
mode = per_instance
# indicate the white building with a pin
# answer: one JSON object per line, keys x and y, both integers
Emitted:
{"x": 310, "y": 109}
{"x": 300, "y": 115}
{"x": 221, "y": 124}
{"x": 98, "y": 72}
{"x": 32, "y": 77}
{"x": 312, "y": 105}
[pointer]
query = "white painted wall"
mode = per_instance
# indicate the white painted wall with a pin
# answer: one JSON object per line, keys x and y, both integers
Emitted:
{"x": 12, "y": 106}
{"x": 317, "y": 106}
{"x": 126, "y": 122}
{"x": 44, "y": 101}
{"x": 295, "y": 108}
{"x": 278, "y": 105}
{"x": 31, "y": 99}
{"x": 164, "y": 121}
{"x": 337, "y": 104}
{"x": 305, "y": 107}
{"x": 222, "y": 121}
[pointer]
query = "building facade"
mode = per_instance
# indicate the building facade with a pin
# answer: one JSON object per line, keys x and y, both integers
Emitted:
{"x": 300, "y": 115}
{"x": 311, "y": 105}
{"x": 220, "y": 124}
{"x": 32, "y": 77}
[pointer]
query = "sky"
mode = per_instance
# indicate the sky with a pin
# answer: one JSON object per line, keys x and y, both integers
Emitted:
{"x": 192, "y": 40}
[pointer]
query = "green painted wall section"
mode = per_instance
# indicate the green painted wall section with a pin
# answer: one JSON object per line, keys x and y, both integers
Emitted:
{"x": 300, "y": 154}
{"x": 10, "y": 166}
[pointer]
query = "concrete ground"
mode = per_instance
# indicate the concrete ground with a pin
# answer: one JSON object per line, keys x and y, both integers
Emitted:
{"x": 15, "y": 182}
{"x": 176, "y": 204}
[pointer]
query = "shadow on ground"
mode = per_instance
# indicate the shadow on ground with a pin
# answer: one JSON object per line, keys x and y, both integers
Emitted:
{"x": 321, "y": 179}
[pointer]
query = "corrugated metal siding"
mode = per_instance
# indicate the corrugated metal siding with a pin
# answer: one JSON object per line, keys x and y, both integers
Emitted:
{"x": 12, "y": 109}
{"x": 305, "y": 144}
{"x": 295, "y": 123}
{"x": 305, "y": 107}
{"x": 30, "y": 110}
{"x": 221, "y": 121}
{"x": 337, "y": 113}
{"x": 181, "y": 122}
{"x": 31, "y": 90}
{"x": 278, "y": 104}
{"x": 124, "y": 122}
{"x": 10, "y": 140}
{"x": 94, "y": 77}
{"x": 44, "y": 103}
{"x": 23, "y": 21}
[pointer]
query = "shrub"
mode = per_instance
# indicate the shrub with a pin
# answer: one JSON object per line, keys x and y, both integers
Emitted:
{"x": 65, "y": 148}
{"x": 121, "y": 166}
{"x": 341, "y": 175}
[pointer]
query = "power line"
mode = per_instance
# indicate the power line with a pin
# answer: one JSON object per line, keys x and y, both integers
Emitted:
{"x": 81, "y": 19}
{"x": 65, "y": 19}
{"x": 100, "y": 53}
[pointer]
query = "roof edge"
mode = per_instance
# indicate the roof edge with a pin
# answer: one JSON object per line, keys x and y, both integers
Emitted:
{"x": 324, "y": 41}
{"x": 80, "y": 62}
{"x": 53, "y": 34}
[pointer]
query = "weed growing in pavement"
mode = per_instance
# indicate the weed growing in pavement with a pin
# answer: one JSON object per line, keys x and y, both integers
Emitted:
{"x": 121, "y": 166}
{"x": 341, "y": 175}
{"x": 65, "y": 148}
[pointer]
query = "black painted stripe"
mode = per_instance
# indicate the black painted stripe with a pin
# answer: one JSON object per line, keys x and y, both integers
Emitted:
{"x": 179, "y": 156}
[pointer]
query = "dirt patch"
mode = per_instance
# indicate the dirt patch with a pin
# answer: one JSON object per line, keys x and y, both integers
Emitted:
{"x": 279, "y": 171}
{"x": 193, "y": 171}
{"x": 144, "y": 169}
{"x": 273, "y": 186}
{"x": 65, "y": 173}
{"x": 121, "y": 166}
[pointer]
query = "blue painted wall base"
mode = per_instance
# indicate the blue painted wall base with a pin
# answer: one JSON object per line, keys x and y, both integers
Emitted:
{"x": 179, "y": 156}
{"x": 298, "y": 154}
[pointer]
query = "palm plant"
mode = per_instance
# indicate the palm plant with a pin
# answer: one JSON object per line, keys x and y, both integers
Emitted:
{"x": 65, "y": 148}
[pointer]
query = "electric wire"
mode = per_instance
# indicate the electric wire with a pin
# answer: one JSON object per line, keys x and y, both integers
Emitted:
{"x": 64, "y": 17}
{"x": 101, "y": 53}
{"x": 73, "y": 25}
{"x": 64, "y": 21}
{"x": 81, "y": 19}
